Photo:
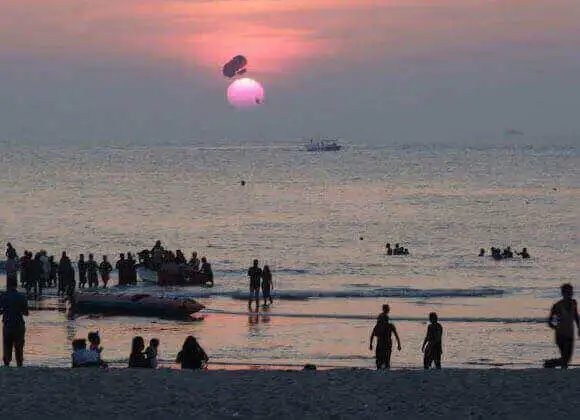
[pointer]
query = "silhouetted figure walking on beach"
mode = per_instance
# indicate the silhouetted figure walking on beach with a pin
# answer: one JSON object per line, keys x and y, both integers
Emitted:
{"x": 433, "y": 343}
{"x": 65, "y": 274}
{"x": 255, "y": 275}
{"x": 563, "y": 315}
{"x": 384, "y": 331}
{"x": 13, "y": 306}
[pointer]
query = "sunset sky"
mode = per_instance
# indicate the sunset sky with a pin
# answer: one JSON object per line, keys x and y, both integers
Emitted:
{"x": 382, "y": 71}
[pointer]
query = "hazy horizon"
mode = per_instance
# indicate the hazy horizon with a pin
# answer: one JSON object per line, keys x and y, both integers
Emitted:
{"x": 379, "y": 72}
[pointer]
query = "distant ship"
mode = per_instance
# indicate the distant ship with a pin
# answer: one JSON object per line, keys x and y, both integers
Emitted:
{"x": 323, "y": 146}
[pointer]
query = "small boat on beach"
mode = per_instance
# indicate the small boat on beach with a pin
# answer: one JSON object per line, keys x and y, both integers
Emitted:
{"x": 137, "y": 304}
{"x": 172, "y": 276}
{"x": 323, "y": 146}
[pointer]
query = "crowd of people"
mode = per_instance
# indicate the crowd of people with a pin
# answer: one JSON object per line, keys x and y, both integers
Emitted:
{"x": 39, "y": 271}
{"x": 171, "y": 263}
{"x": 497, "y": 254}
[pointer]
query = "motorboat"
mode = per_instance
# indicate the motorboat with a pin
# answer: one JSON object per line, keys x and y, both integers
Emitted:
{"x": 323, "y": 146}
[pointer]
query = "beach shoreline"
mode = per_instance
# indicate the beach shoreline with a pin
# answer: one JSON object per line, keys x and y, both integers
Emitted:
{"x": 344, "y": 393}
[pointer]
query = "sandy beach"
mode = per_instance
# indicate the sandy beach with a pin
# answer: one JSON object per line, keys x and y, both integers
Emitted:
{"x": 165, "y": 393}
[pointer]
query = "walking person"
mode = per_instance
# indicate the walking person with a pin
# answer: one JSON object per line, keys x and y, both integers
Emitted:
{"x": 433, "y": 344}
{"x": 105, "y": 269}
{"x": 14, "y": 307}
{"x": 267, "y": 285}
{"x": 92, "y": 270}
{"x": 563, "y": 315}
{"x": 255, "y": 275}
{"x": 384, "y": 330}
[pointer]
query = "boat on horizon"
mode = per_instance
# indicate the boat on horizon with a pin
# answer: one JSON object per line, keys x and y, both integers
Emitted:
{"x": 323, "y": 146}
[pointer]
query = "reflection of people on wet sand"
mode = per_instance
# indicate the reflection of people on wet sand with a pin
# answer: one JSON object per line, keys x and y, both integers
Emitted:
{"x": 563, "y": 315}
{"x": 432, "y": 345}
{"x": 384, "y": 331}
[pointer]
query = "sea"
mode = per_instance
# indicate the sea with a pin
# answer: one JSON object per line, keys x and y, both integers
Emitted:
{"x": 320, "y": 220}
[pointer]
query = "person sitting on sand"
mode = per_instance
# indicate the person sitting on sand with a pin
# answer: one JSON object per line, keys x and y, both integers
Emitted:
{"x": 255, "y": 274}
{"x": 267, "y": 285}
{"x": 508, "y": 253}
{"x": 481, "y": 252}
{"x": 192, "y": 356}
{"x": 138, "y": 359}
{"x": 563, "y": 315}
{"x": 384, "y": 330}
{"x": 433, "y": 344}
{"x": 81, "y": 356}
{"x": 95, "y": 341}
{"x": 389, "y": 249}
{"x": 152, "y": 351}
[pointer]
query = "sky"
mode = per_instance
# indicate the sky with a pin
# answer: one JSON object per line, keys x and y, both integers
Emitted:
{"x": 381, "y": 71}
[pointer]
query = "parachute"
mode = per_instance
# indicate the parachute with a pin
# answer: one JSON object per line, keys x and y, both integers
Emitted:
{"x": 235, "y": 66}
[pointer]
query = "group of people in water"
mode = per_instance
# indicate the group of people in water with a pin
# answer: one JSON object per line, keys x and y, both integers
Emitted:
{"x": 507, "y": 253}
{"x": 39, "y": 271}
{"x": 191, "y": 356}
{"x": 397, "y": 250}
{"x": 169, "y": 263}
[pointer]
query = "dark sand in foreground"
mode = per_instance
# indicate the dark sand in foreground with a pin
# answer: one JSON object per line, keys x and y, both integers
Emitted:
{"x": 130, "y": 393}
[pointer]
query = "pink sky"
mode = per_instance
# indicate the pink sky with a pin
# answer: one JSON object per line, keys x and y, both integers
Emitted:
{"x": 136, "y": 68}
{"x": 277, "y": 34}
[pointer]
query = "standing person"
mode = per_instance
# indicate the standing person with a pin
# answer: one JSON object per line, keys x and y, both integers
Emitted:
{"x": 207, "y": 271}
{"x": 121, "y": 266}
{"x": 388, "y": 249}
{"x": 45, "y": 277}
{"x": 255, "y": 275}
{"x": 131, "y": 269}
{"x": 194, "y": 262}
{"x": 14, "y": 307}
{"x": 267, "y": 284}
{"x": 563, "y": 315}
{"x": 53, "y": 271}
{"x": 82, "y": 267}
{"x": 384, "y": 331}
{"x": 105, "y": 269}
{"x": 10, "y": 251}
{"x": 92, "y": 269}
{"x": 36, "y": 275}
{"x": 24, "y": 268}
{"x": 64, "y": 273}
{"x": 433, "y": 344}
{"x": 11, "y": 269}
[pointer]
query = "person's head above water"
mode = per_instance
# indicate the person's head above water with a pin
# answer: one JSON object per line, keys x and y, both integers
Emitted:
{"x": 433, "y": 317}
{"x": 567, "y": 291}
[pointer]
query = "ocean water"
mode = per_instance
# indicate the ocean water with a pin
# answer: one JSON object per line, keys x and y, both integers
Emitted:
{"x": 321, "y": 221}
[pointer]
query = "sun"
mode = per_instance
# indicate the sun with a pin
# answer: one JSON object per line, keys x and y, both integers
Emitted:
{"x": 245, "y": 93}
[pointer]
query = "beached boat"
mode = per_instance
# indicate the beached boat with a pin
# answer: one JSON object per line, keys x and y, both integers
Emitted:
{"x": 139, "y": 304}
{"x": 322, "y": 146}
{"x": 171, "y": 276}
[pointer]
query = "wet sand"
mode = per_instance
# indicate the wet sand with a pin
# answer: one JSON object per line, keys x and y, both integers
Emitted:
{"x": 166, "y": 393}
